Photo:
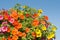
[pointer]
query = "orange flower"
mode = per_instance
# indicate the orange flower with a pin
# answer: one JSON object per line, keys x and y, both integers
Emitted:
{"x": 23, "y": 34}
{"x": 9, "y": 38}
{"x": 43, "y": 22}
{"x": 14, "y": 31}
{"x": 8, "y": 30}
{"x": 35, "y": 15}
{"x": 18, "y": 26}
{"x": 21, "y": 16}
{"x": 33, "y": 34}
{"x": 3, "y": 38}
{"x": 6, "y": 16}
{"x": 35, "y": 22}
{"x": 15, "y": 23}
{"x": 20, "y": 34}
{"x": 14, "y": 14}
{"x": 15, "y": 37}
{"x": 46, "y": 17}
{"x": 27, "y": 30}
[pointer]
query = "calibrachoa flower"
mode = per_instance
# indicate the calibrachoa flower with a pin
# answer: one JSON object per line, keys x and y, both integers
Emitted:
{"x": 4, "y": 22}
{"x": 15, "y": 37}
{"x": 33, "y": 34}
{"x": 14, "y": 14}
{"x": 25, "y": 24}
{"x": 1, "y": 17}
{"x": 43, "y": 27}
{"x": 50, "y": 35}
{"x": 20, "y": 34}
{"x": 40, "y": 11}
{"x": 46, "y": 17}
{"x": 38, "y": 32}
{"x": 18, "y": 26}
{"x": 35, "y": 15}
{"x": 27, "y": 15}
{"x": 35, "y": 22}
{"x": 11, "y": 20}
{"x": 4, "y": 28}
{"x": 14, "y": 31}
{"x": 6, "y": 15}
{"x": 15, "y": 23}
{"x": 27, "y": 30}
{"x": 24, "y": 34}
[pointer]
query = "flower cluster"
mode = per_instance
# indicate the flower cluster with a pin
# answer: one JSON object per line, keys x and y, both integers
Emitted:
{"x": 25, "y": 23}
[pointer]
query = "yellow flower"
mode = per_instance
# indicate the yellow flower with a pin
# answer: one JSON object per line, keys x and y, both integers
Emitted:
{"x": 54, "y": 28}
{"x": 39, "y": 14}
{"x": 43, "y": 27}
{"x": 51, "y": 35}
{"x": 38, "y": 33}
{"x": 40, "y": 11}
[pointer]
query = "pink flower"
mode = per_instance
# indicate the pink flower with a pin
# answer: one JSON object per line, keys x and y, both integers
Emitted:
{"x": 1, "y": 17}
{"x": 11, "y": 20}
{"x": 4, "y": 28}
{"x": 4, "y": 23}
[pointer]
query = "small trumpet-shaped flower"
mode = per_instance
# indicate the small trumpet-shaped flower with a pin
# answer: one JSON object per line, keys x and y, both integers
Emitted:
{"x": 1, "y": 17}
{"x": 38, "y": 33}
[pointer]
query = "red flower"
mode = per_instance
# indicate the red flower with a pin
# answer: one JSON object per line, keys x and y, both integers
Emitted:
{"x": 46, "y": 17}
{"x": 35, "y": 15}
{"x": 27, "y": 15}
{"x": 11, "y": 20}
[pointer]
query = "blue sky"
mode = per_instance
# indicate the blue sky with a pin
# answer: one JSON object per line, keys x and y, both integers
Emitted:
{"x": 51, "y": 8}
